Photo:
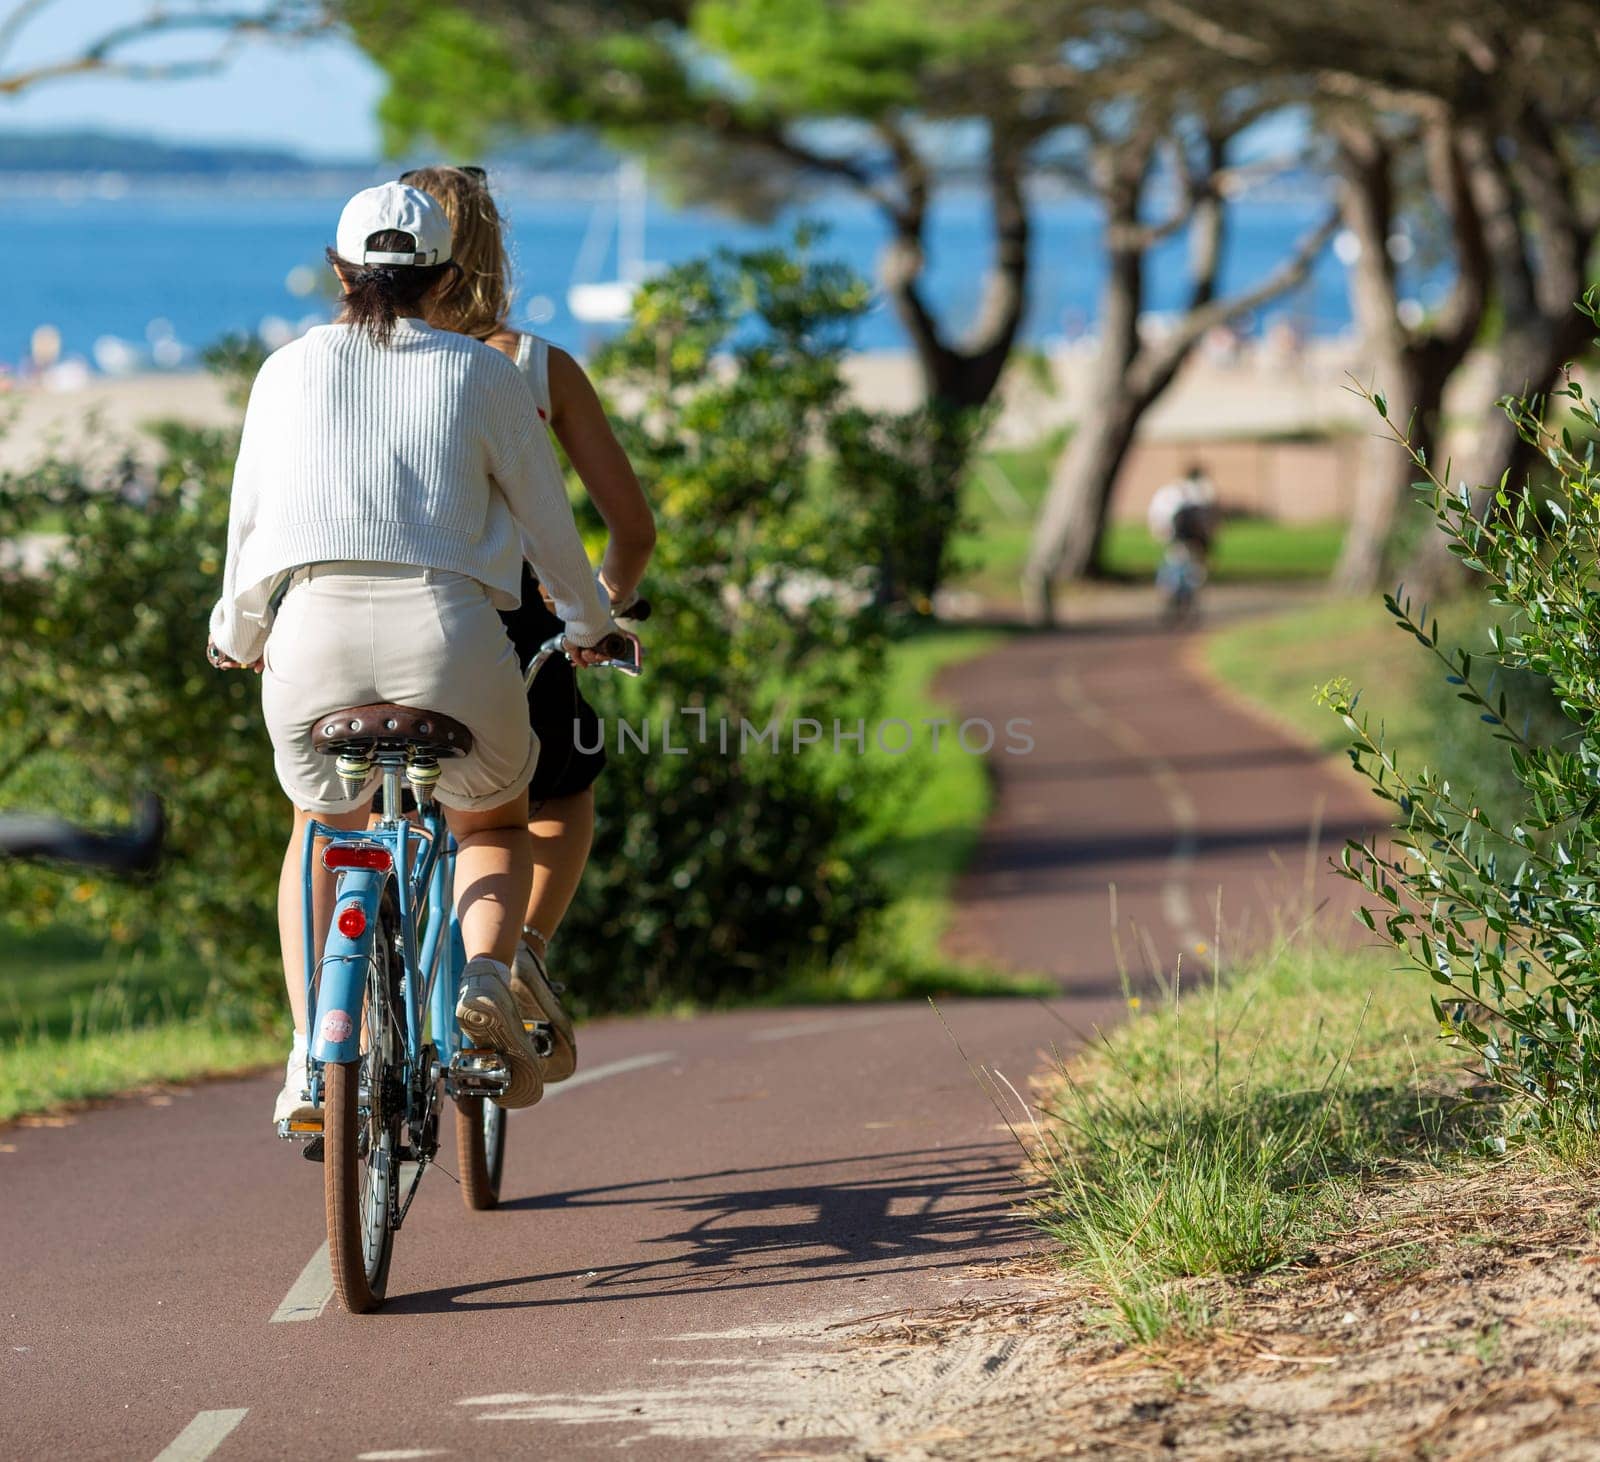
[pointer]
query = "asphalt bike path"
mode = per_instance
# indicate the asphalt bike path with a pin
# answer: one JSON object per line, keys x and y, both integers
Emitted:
{"x": 1159, "y": 826}
{"x": 704, "y": 1189}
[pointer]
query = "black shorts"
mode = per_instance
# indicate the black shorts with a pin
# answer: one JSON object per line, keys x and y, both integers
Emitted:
{"x": 556, "y": 707}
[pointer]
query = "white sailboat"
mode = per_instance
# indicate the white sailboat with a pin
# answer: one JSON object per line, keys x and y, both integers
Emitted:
{"x": 610, "y": 301}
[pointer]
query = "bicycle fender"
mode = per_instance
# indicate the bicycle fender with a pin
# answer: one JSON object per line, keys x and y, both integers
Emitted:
{"x": 336, "y": 1031}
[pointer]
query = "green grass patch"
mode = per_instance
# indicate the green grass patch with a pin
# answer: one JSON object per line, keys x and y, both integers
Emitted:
{"x": 57, "y": 983}
{"x": 1001, "y": 500}
{"x": 922, "y": 839}
{"x": 36, "y": 1075}
{"x": 1280, "y": 661}
{"x": 1220, "y": 1132}
{"x": 1248, "y": 550}
{"x": 78, "y": 1022}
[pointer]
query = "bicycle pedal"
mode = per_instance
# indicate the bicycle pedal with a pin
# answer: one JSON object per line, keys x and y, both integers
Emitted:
{"x": 312, "y": 1151}
{"x": 295, "y": 1129}
{"x": 544, "y": 1040}
{"x": 477, "y": 1072}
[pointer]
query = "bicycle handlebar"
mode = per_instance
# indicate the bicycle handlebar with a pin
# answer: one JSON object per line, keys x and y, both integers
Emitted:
{"x": 617, "y": 648}
{"x": 136, "y": 849}
{"x": 621, "y": 649}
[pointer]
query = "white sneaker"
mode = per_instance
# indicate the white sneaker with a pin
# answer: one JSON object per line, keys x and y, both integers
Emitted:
{"x": 537, "y": 999}
{"x": 292, "y": 1103}
{"x": 490, "y": 1020}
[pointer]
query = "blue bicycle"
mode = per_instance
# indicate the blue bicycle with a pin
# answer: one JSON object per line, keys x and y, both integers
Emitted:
{"x": 384, "y": 1043}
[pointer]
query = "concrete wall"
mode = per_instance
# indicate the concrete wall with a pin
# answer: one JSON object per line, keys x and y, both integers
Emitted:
{"x": 1289, "y": 481}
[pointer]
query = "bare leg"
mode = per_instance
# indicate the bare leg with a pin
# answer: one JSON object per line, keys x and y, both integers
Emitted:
{"x": 291, "y": 902}
{"x": 494, "y": 870}
{"x": 562, "y": 830}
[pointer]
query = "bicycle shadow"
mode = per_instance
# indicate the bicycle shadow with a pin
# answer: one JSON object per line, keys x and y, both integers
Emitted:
{"x": 914, "y": 1211}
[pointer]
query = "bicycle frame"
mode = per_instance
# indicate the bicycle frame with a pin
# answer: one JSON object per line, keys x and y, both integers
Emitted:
{"x": 422, "y": 870}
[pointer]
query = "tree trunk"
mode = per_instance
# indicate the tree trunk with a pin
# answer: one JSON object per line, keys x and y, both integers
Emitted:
{"x": 1412, "y": 367}
{"x": 1538, "y": 238}
{"x": 960, "y": 381}
{"x": 1072, "y": 524}
{"x": 1529, "y": 362}
{"x": 1366, "y": 204}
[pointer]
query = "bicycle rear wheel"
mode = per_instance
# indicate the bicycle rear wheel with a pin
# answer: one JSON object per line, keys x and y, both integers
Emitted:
{"x": 480, "y": 1150}
{"x": 363, "y": 1109}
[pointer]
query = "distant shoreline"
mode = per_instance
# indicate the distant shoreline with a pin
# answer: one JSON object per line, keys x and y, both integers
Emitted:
{"x": 1251, "y": 396}
{"x": 338, "y": 180}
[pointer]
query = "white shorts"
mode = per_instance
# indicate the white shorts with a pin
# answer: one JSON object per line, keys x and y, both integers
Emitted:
{"x": 350, "y": 634}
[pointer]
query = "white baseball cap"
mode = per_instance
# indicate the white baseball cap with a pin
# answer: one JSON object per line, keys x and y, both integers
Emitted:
{"x": 393, "y": 206}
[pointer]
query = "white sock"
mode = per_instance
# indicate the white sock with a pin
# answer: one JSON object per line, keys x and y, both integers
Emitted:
{"x": 297, "y": 1048}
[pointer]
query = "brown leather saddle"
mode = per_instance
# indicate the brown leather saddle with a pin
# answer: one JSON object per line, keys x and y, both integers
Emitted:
{"x": 386, "y": 727}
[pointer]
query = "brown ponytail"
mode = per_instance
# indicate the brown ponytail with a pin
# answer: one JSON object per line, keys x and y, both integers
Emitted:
{"x": 376, "y": 295}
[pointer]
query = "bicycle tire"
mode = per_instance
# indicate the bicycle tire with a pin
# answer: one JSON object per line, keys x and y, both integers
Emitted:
{"x": 361, "y": 1223}
{"x": 480, "y": 1151}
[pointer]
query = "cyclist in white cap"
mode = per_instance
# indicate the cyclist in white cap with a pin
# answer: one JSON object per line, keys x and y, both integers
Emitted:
{"x": 387, "y": 487}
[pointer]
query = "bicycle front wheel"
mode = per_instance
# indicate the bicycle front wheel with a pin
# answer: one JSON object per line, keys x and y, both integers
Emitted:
{"x": 363, "y": 1109}
{"x": 480, "y": 1150}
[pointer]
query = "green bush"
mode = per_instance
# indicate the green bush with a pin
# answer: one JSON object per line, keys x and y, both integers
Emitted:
{"x": 1504, "y": 915}
{"x": 1464, "y": 748}
{"x": 107, "y": 690}
{"x": 719, "y": 871}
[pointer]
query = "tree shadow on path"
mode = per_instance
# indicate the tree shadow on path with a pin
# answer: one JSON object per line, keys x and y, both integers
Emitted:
{"x": 840, "y": 1218}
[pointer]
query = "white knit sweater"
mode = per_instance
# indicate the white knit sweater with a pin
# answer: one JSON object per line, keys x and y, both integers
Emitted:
{"x": 423, "y": 452}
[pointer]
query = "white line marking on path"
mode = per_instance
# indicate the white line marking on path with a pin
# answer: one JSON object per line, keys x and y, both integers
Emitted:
{"x": 1175, "y": 902}
{"x": 309, "y": 1295}
{"x": 1175, "y": 891}
{"x": 202, "y": 1436}
{"x": 402, "y": 1455}
{"x": 600, "y": 1073}
{"x": 819, "y": 1027}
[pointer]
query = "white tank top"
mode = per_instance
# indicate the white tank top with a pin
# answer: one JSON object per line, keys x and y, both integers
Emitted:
{"x": 533, "y": 360}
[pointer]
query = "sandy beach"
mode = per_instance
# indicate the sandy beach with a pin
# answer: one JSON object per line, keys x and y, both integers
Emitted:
{"x": 1263, "y": 425}
{"x": 1211, "y": 399}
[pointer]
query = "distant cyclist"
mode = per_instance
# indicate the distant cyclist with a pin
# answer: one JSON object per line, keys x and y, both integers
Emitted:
{"x": 1183, "y": 517}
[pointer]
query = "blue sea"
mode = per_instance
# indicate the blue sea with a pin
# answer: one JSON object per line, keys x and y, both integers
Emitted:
{"x": 188, "y": 266}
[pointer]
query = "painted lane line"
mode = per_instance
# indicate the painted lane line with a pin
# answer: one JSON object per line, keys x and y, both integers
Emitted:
{"x": 202, "y": 1436}
{"x": 1176, "y": 906}
{"x": 403, "y": 1454}
{"x": 309, "y": 1295}
{"x": 600, "y": 1073}
{"x": 819, "y": 1027}
{"x": 1175, "y": 890}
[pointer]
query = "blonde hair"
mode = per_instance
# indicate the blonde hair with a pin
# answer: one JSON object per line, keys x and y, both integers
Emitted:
{"x": 479, "y": 301}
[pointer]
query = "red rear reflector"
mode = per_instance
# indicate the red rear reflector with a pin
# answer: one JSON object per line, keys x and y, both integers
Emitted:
{"x": 357, "y": 855}
{"x": 352, "y": 921}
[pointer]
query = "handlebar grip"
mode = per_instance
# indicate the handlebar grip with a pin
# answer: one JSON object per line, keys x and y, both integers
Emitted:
{"x": 618, "y": 647}
{"x": 638, "y": 611}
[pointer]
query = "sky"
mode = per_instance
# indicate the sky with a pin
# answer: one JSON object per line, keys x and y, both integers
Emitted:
{"x": 316, "y": 97}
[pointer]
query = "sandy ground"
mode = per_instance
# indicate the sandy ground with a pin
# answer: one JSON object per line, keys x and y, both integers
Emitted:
{"x": 1455, "y": 1318}
{"x": 1211, "y": 399}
